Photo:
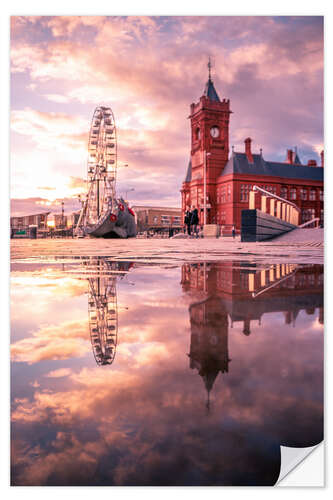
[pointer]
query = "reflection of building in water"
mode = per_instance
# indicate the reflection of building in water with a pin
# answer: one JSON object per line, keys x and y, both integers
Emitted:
{"x": 209, "y": 340}
{"x": 102, "y": 306}
{"x": 249, "y": 290}
{"x": 238, "y": 292}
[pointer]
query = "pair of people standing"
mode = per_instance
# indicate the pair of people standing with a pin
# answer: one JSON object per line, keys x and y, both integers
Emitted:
{"x": 191, "y": 221}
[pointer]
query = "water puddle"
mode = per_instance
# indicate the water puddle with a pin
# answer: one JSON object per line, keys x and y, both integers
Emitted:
{"x": 125, "y": 373}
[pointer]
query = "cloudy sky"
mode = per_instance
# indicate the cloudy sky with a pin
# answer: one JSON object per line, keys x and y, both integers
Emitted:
{"x": 149, "y": 70}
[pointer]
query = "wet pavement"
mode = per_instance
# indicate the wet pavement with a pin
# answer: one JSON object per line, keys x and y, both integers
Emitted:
{"x": 289, "y": 248}
{"x": 160, "y": 362}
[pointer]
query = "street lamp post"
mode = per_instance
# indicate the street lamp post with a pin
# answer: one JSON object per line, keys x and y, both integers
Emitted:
{"x": 62, "y": 215}
{"x": 205, "y": 186}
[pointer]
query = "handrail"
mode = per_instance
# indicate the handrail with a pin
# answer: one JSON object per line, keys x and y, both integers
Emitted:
{"x": 257, "y": 188}
{"x": 316, "y": 219}
{"x": 255, "y": 294}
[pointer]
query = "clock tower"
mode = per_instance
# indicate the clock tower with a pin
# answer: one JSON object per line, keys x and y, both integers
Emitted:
{"x": 209, "y": 149}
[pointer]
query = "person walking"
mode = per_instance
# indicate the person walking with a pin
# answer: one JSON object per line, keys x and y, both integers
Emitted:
{"x": 195, "y": 221}
{"x": 233, "y": 231}
{"x": 187, "y": 221}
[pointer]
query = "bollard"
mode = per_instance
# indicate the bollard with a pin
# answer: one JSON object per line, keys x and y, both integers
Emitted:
{"x": 271, "y": 274}
{"x": 278, "y": 209}
{"x": 278, "y": 271}
{"x": 288, "y": 213}
{"x": 272, "y": 206}
{"x": 264, "y": 204}
{"x": 251, "y": 282}
{"x": 252, "y": 200}
{"x": 284, "y": 211}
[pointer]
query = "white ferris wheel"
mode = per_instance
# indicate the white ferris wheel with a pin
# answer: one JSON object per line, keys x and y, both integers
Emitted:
{"x": 101, "y": 165}
{"x": 101, "y": 168}
{"x": 102, "y": 214}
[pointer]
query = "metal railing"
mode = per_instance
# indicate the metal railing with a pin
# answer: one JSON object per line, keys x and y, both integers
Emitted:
{"x": 316, "y": 219}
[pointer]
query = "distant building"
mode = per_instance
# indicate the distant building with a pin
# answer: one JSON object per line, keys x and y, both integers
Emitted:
{"x": 157, "y": 218}
{"x": 229, "y": 178}
{"x": 60, "y": 221}
{"x": 23, "y": 222}
{"x": 72, "y": 219}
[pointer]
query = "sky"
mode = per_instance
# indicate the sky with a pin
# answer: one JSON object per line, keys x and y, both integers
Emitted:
{"x": 149, "y": 70}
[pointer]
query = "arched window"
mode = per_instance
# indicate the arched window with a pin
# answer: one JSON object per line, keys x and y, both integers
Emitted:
{"x": 197, "y": 133}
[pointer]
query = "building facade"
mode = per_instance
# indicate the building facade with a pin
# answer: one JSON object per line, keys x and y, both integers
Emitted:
{"x": 229, "y": 178}
{"x": 72, "y": 219}
{"x": 22, "y": 223}
{"x": 157, "y": 218}
{"x": 60, "y": 221}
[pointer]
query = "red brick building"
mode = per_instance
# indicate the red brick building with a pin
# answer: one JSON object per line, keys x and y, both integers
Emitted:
{"x": 229, "y": 179}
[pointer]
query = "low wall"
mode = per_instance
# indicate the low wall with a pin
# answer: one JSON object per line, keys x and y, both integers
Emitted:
{"x": 259, "y": 226}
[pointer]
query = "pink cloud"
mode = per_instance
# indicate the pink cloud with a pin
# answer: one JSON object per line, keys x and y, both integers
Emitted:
{"x": 150, "y": 69}
{"x": 61, "y": 372}
{"x": 66, "y": 340}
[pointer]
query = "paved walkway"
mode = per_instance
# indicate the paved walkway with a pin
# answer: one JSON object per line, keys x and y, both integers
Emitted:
{"x": 303, "y": 248}
{"x": 312, "y": 237}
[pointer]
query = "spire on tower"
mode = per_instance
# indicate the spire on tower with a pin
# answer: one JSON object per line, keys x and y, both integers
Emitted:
{"x": 210, "y": 91}
{"x": 209, "y": 68}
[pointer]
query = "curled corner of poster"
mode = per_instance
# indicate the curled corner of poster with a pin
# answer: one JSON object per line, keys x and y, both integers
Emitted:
{"x": 302, "y": 466}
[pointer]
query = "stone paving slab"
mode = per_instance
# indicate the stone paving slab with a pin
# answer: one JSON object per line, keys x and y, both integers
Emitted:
{"x": 306, "y": 237}
{"x": 176, "y": 251}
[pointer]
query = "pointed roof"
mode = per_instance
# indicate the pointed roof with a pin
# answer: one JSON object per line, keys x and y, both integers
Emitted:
{"x": 209, "y": 379}
{"x": 210, "y": 91}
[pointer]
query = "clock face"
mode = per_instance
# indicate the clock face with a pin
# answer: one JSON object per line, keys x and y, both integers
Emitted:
{"x": 214, "y": 132}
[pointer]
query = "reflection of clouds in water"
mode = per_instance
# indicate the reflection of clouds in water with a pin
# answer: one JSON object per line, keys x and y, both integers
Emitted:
{"x": 147, "y": 354}
{"x": 158, "y": 421}
{"x": 143, "y": 420}
{"x": 35, "y": 384}
{"x": 62, "y": 341}
{"x": 62, "y": 372}
{"x": 55, "y": 285}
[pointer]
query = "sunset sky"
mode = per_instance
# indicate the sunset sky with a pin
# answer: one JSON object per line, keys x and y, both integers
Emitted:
{"x": 149, "y": 70}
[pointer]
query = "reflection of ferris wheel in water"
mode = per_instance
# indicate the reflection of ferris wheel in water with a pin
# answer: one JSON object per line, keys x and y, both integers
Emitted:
{"x": 102, "y": 165}
{"x": 102, "y": 307}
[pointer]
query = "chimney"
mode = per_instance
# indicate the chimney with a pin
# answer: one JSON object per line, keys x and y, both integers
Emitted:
{"x": 290, "y": 156}
{"x": 312, "y": 163}
{"x": 322, "y": 158}
{"x": 248, "y": 150}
